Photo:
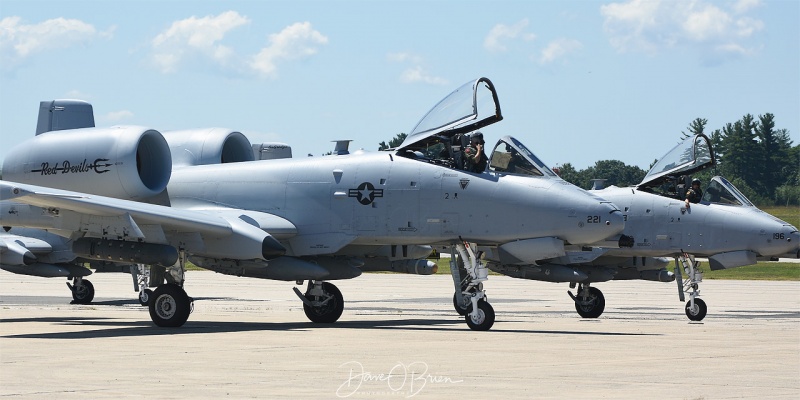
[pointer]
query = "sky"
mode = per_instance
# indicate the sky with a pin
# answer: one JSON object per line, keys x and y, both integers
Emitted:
{"x": 578, "y": 81}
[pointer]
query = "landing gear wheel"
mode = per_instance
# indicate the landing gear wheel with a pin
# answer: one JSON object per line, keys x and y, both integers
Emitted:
{"x": 592, "y": 306}
{"x": 326, "y": 312}
{"x": 698, "y": 312}
{"x": 83, "y": 292}
{"x": 461, "y": 309}
{"x": 145, "y": 296}
{"x": 484, "y": 319}
{"x": 466, "y": 307}
{"x": 170, "y": 306}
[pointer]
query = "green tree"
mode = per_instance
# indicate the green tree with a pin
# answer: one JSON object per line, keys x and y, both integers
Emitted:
{"x": 397, "y": 141}
{"x": 696, "y": 127}
{"x": 741, "y": 152}
{"x": 568, "y": 173}
{"x": 615, "y": 172}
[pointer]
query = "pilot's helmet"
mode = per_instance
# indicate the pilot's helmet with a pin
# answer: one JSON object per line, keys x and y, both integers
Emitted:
{"x": 695, "y": 181}
{"x": 477, "y": 137}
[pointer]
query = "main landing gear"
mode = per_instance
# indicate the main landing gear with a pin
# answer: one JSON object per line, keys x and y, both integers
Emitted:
{"x": 323, "y": 303}
{"x": 695, "y": 308}
{"x": 590, "y": 302}
{"x": 169, "y": 304}
{"x": 82, "y": 291}
{"x": 470, "y": 299}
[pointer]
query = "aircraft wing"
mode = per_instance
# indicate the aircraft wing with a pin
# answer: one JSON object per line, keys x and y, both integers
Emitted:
{"x": 214, "y": 232}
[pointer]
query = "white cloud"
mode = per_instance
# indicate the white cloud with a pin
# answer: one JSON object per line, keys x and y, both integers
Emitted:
{"x": 653, "y": 25}
{"x": 195, "y": 36}
{"x": 416, "y": 72}
{"x": 296, "y": 41}
{"x": 500, "y": 34}
{"x": 558, "y": 49}
{"x": 743, "y": 6}
{"x": 19, "y": 40}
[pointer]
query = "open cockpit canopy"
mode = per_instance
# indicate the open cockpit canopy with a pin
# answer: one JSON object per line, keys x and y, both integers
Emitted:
{"x": 470, "y": 107}
{"x": 671, "y": 176}
{"x": 692, "y": 155}
{"x": 443, "y": 135}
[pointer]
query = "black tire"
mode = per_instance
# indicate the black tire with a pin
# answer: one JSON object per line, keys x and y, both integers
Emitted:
{"x": 461, "y": 309}
{"x": 698, "y": 312}
{"x": 170, "y": 306}
{"x": 83, "y": 293}
{"x": 595, "y": 305}
{"x": 465, "y": 308}
{"x": 484, "y": 319}
{"x": 331, "y": 311}
{"x": 145, "y": 296}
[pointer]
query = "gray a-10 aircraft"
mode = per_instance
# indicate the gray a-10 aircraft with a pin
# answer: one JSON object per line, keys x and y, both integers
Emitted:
{"x": 724, "y": 226}
{"x": 114, "y": 194}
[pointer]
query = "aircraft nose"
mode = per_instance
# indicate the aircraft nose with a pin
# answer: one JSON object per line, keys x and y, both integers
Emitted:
{"x": 598, "y": 220}
{"x": 781, "y": 239}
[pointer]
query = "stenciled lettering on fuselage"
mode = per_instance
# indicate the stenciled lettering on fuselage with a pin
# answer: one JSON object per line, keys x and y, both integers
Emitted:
{"x": 365, "y": 193}
{"x": 99, "y": 166}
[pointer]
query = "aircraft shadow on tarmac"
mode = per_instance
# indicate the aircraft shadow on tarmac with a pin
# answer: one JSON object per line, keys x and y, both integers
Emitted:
{"x": 115, "y": 328}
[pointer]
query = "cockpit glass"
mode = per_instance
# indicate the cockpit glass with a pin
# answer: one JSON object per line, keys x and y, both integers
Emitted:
{"x": 689, "y": 156}
{"x": 472, "y": 106}
{"x": 456, "y": 107}
{"x": 721, "y": 191}
{"x": 512, "y": 157}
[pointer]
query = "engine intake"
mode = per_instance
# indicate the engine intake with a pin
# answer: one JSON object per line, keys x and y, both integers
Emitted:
{"x": 126, "y": 162}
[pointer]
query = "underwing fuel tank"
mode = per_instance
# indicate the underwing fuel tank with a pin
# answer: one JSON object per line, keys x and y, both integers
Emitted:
{"x": 416, "y": 267}
{"x": 547, "y": 273}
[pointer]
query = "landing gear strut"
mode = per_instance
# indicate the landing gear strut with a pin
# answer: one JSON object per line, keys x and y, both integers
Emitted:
{"x": 323, "y": 303}
{"x": 470, "y": 298}
{"x": 82, "y": 291}
{"x": 169, "y": 304}
{"x": 695, "y": 308}
{"x": 590, "y": 302}
{"x": 141, "y": 278}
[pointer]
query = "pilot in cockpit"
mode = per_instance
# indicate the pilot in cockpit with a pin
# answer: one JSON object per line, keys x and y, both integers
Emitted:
{"x": 474, "y": 154}
{"x": 694, "y": 194}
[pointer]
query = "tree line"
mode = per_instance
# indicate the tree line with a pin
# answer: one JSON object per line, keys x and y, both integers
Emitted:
{"x": 757, "y": 158}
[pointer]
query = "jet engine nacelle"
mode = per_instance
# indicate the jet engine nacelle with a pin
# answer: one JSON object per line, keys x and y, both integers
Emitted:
{"x": 208, "y": 146}
{"x": 126, "y": 162}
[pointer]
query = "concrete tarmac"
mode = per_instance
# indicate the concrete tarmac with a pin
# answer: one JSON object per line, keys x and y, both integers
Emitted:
{"x": 399, "y": 337}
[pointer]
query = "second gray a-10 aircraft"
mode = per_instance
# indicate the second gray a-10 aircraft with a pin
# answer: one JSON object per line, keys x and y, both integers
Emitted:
{"x": 724, "y": 226}
{"x": 131, "y": 195}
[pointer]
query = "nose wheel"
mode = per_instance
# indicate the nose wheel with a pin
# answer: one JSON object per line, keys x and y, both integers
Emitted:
{"x": 469, "y": 299}
{"x": 696, "y": 308}
{"x": 696, "y": 311}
